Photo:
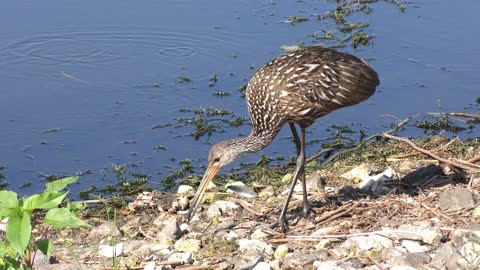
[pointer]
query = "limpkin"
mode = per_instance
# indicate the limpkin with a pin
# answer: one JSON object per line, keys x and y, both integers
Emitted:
{"x": 296, "y": 88}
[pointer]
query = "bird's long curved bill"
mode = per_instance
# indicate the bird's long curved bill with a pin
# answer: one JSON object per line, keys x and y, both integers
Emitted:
{"x": 207, "y": 178}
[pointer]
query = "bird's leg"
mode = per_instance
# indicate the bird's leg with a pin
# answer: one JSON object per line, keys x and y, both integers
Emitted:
{"x": 299, "y": 171}
{"x": 296, "y": 139}
{"x": 306, "y": 205}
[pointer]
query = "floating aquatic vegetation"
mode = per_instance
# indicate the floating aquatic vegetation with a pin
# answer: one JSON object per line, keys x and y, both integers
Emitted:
{"x": 293, "y": 20}
{"x": 184, "y": 79}
{"x": 209, "y": 120}
{"x": 159, "y": 148}
{"x": 221, "y": 94}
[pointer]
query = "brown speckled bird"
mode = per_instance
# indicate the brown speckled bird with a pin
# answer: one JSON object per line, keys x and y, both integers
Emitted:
{"x": 296, "y": 88}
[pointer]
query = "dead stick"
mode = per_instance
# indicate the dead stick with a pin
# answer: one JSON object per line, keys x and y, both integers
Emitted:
{"x": 426, "y": 152}
{"x": 472, "y": 115}
{"x": 336, "y": 214}
{"x": 245, "y": 206}
{"x": 319, "y": 237}
{"x": 474, "y": 160}
{"x": 315, "y": 156}
{"x": 436, "y": 212}
{"x": 433, "y": 150}
{"x": 199, "y": 267}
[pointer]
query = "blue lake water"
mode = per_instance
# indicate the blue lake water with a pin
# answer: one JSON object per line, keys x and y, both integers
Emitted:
{"x": 83, "y": 83}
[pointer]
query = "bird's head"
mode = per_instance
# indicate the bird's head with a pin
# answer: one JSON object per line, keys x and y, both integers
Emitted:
{"x": 220, "y": 155}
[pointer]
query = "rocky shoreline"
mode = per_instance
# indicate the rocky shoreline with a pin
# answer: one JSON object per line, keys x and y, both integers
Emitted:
{"x": 385, "y": 211}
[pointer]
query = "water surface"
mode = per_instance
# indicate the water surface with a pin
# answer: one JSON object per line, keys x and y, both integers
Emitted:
{"x": 83, "y": 83}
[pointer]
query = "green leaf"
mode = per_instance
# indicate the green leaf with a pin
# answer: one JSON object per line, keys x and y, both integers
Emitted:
{"x": 19, "y": 230}
{"x": 8, "y": 199}
{"x": 75, "y": 207}
{"x": 46, "y": 200}
{"x": 45, "y": 247}
{"x": 60, "y": 184}
{"x": 62, "y": 217}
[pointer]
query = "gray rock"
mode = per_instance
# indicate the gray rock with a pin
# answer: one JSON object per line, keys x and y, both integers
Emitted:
{"x": 240, "y": 189}
{"x": 105, "y": 231}
{"x": 262, "y": 266}
{"x": 182, "y": 256}
{"x": 171, "y": 230}
{"x": 456, "y": 199}
{"x": 470, "y": 256}
{"x": 476, "y": 182}
{"x": 447, "y": 256}
{"x": 40, "y": 259}
{"x": 361, "y": 172}
{"x": 111, "y": 251}
{"x": 257, "y": 245}
{"x": 476, "y": 213}
{"x": 375, "y": 242}
{"x": 183, "y": 189}
{"x": 415, "y": 260}
{"x": 280, "y": 252}
{"x": 259, "y": 234}
{"x": 187, "y": 245}
{"x": 389, "y": 253}
{"x": 298, "y": 261}
{"x": 428, "y": 235}
{"x": 340, "y": 252}
{"x": 327, "y": 265}
{"x": 275, "y": 264}
{"x": 64, "y": 266}
{"x": 150, "y": 266}
{"x": 144, "y": 248}
{"x": 227, "y": 206}
{"x": 414, "y": 246}
{"x": 266, "y": 192}
{"x": 247, "y": 261}
{"x": 213, "y": 211}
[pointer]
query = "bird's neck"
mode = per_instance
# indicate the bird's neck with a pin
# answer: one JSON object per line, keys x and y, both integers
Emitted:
{"x": 256, "y": 141}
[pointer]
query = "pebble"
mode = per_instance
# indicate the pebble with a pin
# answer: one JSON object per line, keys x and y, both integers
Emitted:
{"x": 255, "y": 244}
{"x": 375, "y": 242}
{"x": 226, "y": 206}
{"x": 428, "y": 235}
{"x": 214, "y": 211}
{"x": 183, "y": 256}
{"x": 358, "y": 174}
{"x": 184, "y": 189}
{"x": 171, "y": 230}
{"x": 287, "y": 178}
{"x": 262, "y": 266}
{"x": 105, "y": 231}
{"x": 240, "y": 189}
{"x": 456, "y": 199}
{"x": 280, "y": 252}
{"x": 110, "y": 251}
{"x": 414, "y": 246}
{"x": 190, "y": 245}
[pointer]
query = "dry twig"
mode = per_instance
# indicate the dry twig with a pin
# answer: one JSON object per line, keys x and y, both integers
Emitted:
{"x": 426, "y": 152}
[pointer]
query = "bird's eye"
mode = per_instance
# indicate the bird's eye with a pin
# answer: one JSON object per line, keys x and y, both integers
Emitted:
{"x": 216, "y": 159}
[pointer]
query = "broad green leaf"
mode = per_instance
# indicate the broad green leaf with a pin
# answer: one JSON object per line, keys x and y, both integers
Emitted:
{"x": 75, "y": 207}
{"x": 62, "y": 217}
{"x": 19, "y": 230}
{"x": 46, "y": 200}
{"x": 8, "y": 199}
{"x": 60, "y": 184}
{"x": 45, "y": 247}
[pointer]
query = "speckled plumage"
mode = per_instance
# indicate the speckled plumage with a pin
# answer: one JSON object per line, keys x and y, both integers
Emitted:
{"x": 304, "y": 85}
{"x": 296, "y": 88}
